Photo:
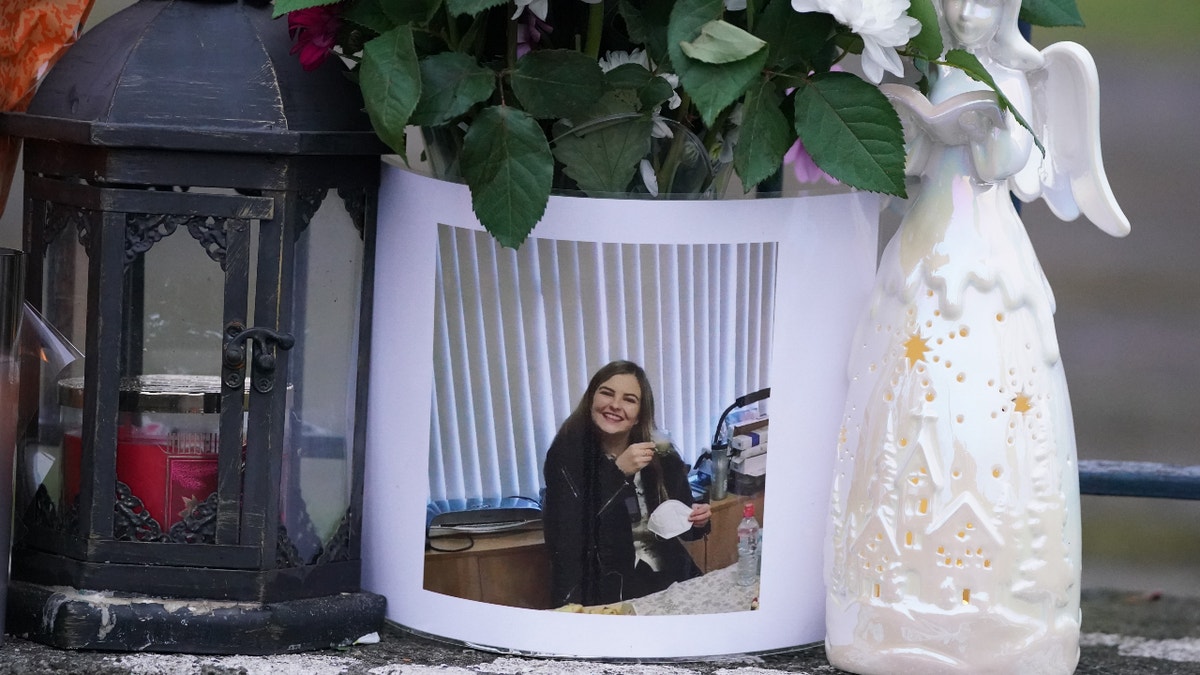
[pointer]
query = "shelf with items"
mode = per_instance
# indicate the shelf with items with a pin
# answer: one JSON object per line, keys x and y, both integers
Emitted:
{"x": 718, "y": 549}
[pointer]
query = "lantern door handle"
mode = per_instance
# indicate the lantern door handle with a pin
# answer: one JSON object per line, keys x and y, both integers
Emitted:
{"x": 263, "y": 366}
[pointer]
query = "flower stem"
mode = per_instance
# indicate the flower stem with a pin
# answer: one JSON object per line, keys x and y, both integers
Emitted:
{"x": 595, "y": 30}
{"x": 666, "y": 174}
{"x": 452, "y": 36}
{"x": 685, "y": 104}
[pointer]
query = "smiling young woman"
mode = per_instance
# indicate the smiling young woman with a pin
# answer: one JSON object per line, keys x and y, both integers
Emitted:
{"x": 603, "y": 480}
{"x": 615, "y": 408}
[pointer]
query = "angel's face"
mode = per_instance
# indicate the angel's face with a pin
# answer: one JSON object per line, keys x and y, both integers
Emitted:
{"x": 973, "y": 22}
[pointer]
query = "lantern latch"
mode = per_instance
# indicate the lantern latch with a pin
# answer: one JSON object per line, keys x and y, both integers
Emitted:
{"x": 262, "y": 374}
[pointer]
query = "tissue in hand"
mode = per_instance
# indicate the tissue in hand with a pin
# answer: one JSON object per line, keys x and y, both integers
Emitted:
{"x": 670, "y": 519}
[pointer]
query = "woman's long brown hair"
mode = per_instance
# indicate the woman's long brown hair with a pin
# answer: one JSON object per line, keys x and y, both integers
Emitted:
{"x": 580, "y": 419}
{"x": 582, "y": 415}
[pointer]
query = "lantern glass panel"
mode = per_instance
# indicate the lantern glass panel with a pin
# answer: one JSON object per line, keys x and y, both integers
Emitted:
{"x": 168, "y": 429}
{"x": 181, "y": 303}
{"x": 64, "y": 277}
{"x": 317, "y": 485}
{"x": 42, "y": 473}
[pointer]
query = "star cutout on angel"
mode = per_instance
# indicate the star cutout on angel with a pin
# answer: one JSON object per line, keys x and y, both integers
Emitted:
{"x": 1022, "y": 403}
{"x": 915, "y": 348}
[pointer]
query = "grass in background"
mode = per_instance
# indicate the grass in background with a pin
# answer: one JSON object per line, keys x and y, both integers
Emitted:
{"x": 1152, "y": 25}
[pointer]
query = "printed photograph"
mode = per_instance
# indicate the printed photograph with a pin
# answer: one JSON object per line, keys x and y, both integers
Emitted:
{"x": 599, "y": 427}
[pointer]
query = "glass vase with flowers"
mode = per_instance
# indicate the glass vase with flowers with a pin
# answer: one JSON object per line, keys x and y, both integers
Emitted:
{"x": 530, "y": 96}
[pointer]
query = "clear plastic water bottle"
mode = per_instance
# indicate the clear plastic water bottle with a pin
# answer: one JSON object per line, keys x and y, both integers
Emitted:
{"x": 748, "y": 551}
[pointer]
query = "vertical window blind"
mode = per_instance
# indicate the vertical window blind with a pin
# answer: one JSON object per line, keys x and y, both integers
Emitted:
{"x": 518, "y": 334}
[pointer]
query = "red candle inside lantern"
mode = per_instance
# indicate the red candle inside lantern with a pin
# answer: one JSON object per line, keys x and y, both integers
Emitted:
{"x": 167, "y": 442}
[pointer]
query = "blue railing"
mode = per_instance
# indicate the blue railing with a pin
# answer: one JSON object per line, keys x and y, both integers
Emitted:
{"x": 1139, "y": 479}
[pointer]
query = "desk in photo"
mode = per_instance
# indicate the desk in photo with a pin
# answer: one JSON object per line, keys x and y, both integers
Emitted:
{"x": 513, "y": 568}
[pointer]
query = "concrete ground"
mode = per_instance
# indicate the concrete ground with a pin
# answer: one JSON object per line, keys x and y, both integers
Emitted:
{"x": 1123, "y": 633}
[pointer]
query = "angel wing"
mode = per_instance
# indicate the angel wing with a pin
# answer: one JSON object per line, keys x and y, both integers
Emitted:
{"x": 1065, "y": 115}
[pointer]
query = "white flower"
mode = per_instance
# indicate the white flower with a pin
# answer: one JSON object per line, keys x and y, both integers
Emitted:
{"x": 728, "y": 138}
{"x": 649, "y": 178}
{"x": 538, "y": 7}
{"x": 735, "y": 5}
{"x": 882, "y": 25}
{"x": 660, "y": 128}
{"x": 614, "y": 59}
{"x": 673, "y": 80}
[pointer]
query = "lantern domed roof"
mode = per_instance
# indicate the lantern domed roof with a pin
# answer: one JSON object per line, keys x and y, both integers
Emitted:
{"x": 198, "y": 75}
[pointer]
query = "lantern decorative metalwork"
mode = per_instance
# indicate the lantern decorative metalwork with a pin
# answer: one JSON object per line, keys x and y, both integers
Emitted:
{"x": 199, "y": 219}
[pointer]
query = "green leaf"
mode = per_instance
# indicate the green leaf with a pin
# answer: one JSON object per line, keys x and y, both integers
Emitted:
{"x": 650, "y": 90}
{"x": 613, "y": 102}
{"x": 852, "y": 132}
{"x": 634, "y": 24}
{"x": 506, "y": 162}
{"x": 713, "y": 87}
{"x": 557, "y": 82}
{"x": 656, "y": 92}
{"x": 390, "y": 78}
{"x": 929, "y": 41}
{"x": 796, "y": 38}
{"x": 370, "y": 15}
{"x": 969, "y": 64}
{"x": 647, "y": 25}
{"x": 284, "y": 6}
{"x": 686, "y": 20}
{"x": 410, "y": 11}
{"x": 722, "y": 42}
{"x": 451, "y": 82}
{"x": 764, "y": 137}
{"x": 1051, "y": 13}
{"x": 603, "y": 160}
{"x": 471, "y": 7}
{"x": 849, "y": 42}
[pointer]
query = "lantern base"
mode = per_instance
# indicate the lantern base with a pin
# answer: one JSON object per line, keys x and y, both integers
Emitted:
{"x": 68, "y": 618}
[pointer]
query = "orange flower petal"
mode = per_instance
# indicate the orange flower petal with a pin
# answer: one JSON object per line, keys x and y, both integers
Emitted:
{"x": 36, "y": 34}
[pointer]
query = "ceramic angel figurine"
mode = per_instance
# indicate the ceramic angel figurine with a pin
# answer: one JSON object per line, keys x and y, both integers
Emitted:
{"x": 954, "y": 540}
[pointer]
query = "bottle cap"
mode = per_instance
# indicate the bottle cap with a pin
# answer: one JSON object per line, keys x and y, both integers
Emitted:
{"x": 748, "y": 510}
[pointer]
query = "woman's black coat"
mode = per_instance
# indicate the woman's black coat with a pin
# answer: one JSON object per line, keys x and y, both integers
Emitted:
{"x": 588, "y": 514}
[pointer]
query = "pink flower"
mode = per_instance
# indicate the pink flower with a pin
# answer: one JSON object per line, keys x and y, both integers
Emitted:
{"x": 805, "y": 168}
{"x": 314, "y": 31}
{"x": 530, "y": 28}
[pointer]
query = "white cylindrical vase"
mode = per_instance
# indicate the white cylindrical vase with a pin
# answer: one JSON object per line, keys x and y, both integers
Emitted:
{"x": 817, "y": 256}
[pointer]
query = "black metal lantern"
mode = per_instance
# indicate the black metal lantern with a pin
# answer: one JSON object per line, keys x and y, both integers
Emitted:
{"x": 199, "y": 219}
